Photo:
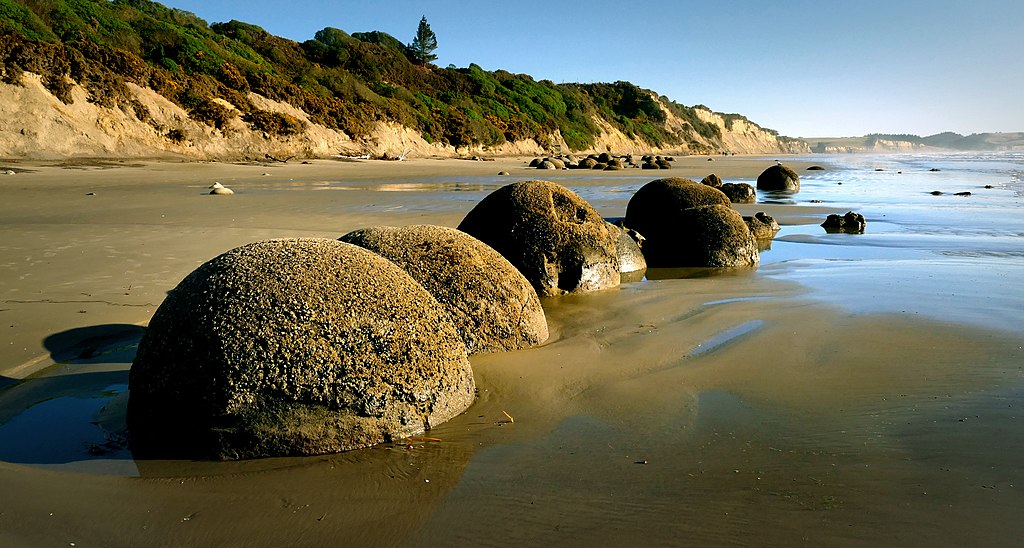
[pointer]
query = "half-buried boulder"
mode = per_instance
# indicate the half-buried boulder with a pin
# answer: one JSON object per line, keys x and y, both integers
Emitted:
{"x": 762, "y": 225}
{"x": 492, "y": 305}
{"x": 779, "y": 178}
{"x": 554, "y": 237}
{"x": 294, "y": 347}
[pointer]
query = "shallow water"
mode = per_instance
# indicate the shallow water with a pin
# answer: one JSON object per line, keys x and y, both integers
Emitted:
{"x": 854, "y": 389}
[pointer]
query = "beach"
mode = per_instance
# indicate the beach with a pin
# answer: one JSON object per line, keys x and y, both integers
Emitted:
{"x": 853, "y": 389}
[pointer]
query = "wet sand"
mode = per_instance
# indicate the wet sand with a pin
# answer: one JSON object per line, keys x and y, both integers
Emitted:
{"x": 737, "y": 408}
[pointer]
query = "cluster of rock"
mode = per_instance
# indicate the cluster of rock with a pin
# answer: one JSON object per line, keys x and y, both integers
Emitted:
{"x": 852, "y": 223}
{"x": 310, "y": 346}
{"x": 602, "y": 162}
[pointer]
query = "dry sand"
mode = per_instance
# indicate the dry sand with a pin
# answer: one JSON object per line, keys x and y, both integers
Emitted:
{"x": 711, "y": 409}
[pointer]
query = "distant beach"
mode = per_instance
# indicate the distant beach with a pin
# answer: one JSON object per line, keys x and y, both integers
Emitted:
{"x": 854, "y": 389}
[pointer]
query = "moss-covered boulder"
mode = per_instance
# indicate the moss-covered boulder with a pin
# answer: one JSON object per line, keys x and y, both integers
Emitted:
{"x": 492, "y": 305}
{"x": 778, "y": 178}
{"x": 554, "y": 237}
{"x": 739, "y": 193}
{"x": 712, "y": 235}
{"x": 294, "y": 347}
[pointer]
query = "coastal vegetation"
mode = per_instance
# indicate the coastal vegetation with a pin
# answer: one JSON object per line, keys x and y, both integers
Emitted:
{"x": 347, "y": 82}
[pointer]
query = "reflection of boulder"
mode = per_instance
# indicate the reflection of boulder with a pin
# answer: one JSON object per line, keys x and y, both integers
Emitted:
{"x": 713, "y": 235}
{"x": 853, "y": 223}
{"x": 779, "y": 178}
{"x": 289, "y": 347}
{"x": 493, "y": 306}
{"x": 555, "y": 238}
{"x": 762, "y": 225}
{"x": 739, "y": 193}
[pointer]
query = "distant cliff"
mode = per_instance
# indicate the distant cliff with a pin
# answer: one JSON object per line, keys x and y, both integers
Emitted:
{"x": 947, "y": 141}
{"x": 135, "y": 78}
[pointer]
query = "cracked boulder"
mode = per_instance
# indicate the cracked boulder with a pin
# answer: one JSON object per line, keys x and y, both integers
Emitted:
{"x": 294, "y": 347}
{"x": 554, "y": 237}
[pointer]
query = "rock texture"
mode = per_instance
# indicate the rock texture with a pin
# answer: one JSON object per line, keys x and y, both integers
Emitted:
{"x": 294, "y": 347}
{"x": 631, "y": 257}
{"x": 853, "y": 223}
{"x": 554, "y": 237}
{"x": 778, "y": 178}
{"x": 762, "y": 225}
{"x": 655, "y": 209}
{"x": 739, "y": 193}
{"x": 492, "y": 305}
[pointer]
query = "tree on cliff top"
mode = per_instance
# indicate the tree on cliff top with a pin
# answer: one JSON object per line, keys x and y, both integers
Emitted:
{"x": 423, "y": 44}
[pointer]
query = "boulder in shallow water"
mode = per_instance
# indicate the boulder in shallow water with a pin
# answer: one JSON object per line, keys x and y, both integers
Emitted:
{"x": 762, "y": 225}
{"x": 778, "y": 178}
{"x": 294, "y": 347}
{"x": 852, "y": 223}
{"x": 554, "y": 237}
{"x": 739, "y": 193}
{"x": 492, "y": 305}
{"x": 712, "y": 180}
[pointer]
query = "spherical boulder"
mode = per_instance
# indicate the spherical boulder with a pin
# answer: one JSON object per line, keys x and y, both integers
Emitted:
{"x": 493, "y": 306}
{"x": 739, "y": 193}
{"x": 664, "y": 198}
{"x": 559, "y": 164}
{"x": 546, "y": 164}
{"x": 294, "y": 347}
{"x": 712, "y": 180}
{"x": 712, "y": 235}
{"x": 554, "y": 237}
{"x": 778, "y": 178}
{"x": 587, "y": 163}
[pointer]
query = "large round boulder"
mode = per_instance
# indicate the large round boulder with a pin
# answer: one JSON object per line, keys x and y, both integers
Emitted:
{"x": 653, "y": 210}
{"x": 779, "y": 178}
{"x": 294, "y": 347}
{"x": 491, "y": 303}
{"x": 712, "y": 235}
{"x": 554, "y": 237}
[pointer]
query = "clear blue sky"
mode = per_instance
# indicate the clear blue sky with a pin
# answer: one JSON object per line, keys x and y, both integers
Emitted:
{"x": 805, "y": 68}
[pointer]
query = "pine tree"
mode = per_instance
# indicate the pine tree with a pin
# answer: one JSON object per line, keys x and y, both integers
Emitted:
{"x": 423, "y": 44}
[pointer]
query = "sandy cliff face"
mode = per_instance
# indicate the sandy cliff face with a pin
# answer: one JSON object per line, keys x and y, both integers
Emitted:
{"x": 745, "y": 137}
{"x": 35, "y": 124}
